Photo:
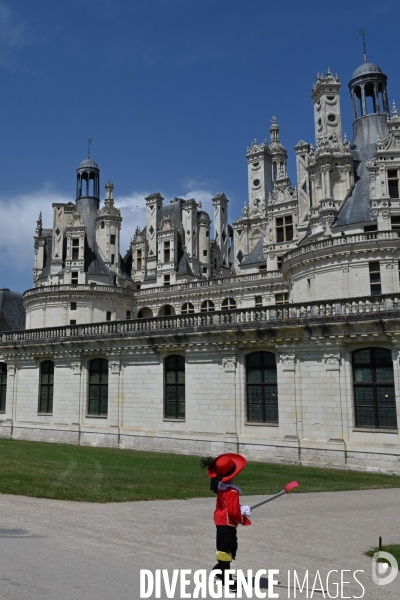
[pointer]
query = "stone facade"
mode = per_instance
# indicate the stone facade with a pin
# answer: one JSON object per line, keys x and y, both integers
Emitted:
{"x": 278, "y": 338}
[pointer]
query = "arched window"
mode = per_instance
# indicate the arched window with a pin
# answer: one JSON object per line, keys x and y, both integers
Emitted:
{"x": 174, "y": 396}
{"x": 46, "y": 386}
{"x": 98, "y": 387}
{"x": 228, "y": 304}
{"x": 166, "y": 311}
{"x": 145, "y": 313}
{"x": 3, "y": 386}
{"x": 207, "y": 306}
{"x": 262, "y": 388}
{"x": 374, "y": 395}
{"x": 187, "y": 308}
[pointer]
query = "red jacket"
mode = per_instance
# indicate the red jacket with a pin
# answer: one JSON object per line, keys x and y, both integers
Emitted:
{"x": 227, "y": 510}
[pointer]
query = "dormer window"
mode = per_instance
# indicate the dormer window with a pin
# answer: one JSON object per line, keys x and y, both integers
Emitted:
{"x": 393, "y": 183}
{"x": 167, "y": 252}
{"x": 284, "y": 229}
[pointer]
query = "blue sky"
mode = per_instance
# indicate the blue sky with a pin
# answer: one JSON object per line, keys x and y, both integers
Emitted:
{"x": 171, "y": 92}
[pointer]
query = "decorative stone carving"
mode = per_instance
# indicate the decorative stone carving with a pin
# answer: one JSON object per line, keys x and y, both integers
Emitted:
{"x": 76, "y": 367}
{"x": 332, "y": 361}
{"x": 114, "y": 366}
{"x": 288, "y": 361}
{"x": 11, "y": 370}
{"x": 229, "y": 364}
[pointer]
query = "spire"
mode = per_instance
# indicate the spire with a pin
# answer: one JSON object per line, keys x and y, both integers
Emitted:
{"x": 362, "y": 32}
{"x": 274, "y": 131}
{"x": 109, "y": 200}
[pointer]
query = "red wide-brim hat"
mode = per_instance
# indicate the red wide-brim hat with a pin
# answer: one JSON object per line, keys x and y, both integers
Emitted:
{"x": 227, "y": 466}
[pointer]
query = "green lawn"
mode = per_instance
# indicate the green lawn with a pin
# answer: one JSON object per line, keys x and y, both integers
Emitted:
{"x": 68, "y": 472}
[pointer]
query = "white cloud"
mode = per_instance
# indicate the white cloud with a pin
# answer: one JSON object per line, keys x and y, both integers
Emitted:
{"x": 13, "y": 34}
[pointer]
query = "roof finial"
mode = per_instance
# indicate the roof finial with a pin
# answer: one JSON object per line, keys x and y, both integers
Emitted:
{"x": 394, "y": 110}
{"x": 88, "y": 148}
{"x": 362, "y": 32}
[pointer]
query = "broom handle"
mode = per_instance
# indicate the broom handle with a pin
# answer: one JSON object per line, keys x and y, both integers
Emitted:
{"x": 269, "y": 499}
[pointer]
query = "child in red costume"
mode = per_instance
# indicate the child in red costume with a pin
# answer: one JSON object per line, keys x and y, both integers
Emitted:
{"x": 228, "y": 512}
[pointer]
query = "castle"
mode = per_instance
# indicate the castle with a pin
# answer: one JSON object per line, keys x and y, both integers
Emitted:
{"x": 278, "y": 338}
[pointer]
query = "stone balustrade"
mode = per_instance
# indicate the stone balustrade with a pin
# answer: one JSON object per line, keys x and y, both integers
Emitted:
{"x": 369, "y": 307}
{"x": 354, "y": 238}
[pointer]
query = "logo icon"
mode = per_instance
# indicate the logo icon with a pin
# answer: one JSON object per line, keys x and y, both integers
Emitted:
{"x": 381, "y": 574}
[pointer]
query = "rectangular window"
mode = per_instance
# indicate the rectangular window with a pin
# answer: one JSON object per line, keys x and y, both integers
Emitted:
{"x": 279, "y": 262}
{"x": 112, "y": 259}
{"x": 73, "y": 305}
{"x": 108, "y": 315}
{"x": 368, "y": 228}
{"x": 207, "y": 233}
{"x": 174, "y": 391}
{"x": 75, "y": 249}
{"x": 3, "y": 386}
{"x": 262, "y": 387}
{"x": 138, "y": 260}
{"x": 262, "y": 268}
{"x": 282, "y": 298}
{"x": 284, "y": 229}
{"x": 204, "y": 269}
{"x": 112, "y": 240}
{"x": 395, "y": 221}
{"x": 128, "y": 315}
{"x": 167, "y": 279}
{"x": 374, "y": 394}
{"x": 393, "y": 183}
{"x": 258, "y": 300}
{"x": 204, "y": 252}
{"x": 72, "y": 321}
{"x": 375, "y": 278}
{"x": 167, "y": 252}
{"x": 46, "y": 375}
{"x": 74, "y": 278}
{"x": 98, "y": 387}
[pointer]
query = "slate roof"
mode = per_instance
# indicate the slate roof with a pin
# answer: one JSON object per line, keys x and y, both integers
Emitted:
{"x": 184, "y": 266}
{"x": 356, "y": 208}
{"x": 256, "y": 256}
{"x": 12, "y": 313}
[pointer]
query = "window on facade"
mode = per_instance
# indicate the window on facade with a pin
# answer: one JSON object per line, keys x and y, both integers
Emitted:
{"x": 167, "y": 252}
{"x": 204, "y": 270}
{"x": 207, "y": 306}
{"x": 174, "y": 405}
{"x": 74, "y": 278}
{"x": 262, "y": 268}
{"x": 368, "y": 228}
{"x": 258, "y": 301}
{"x": 128, "y": 315}
{"x": 75, "y": 249}
{"x": 138, "y": 259}
{"x": 112, "y": 240}
{"x": 275, "y": 171}
{"x": 374, "y": 395}
{"x": 207, "y": 233}
{"x": 279, "y": 262}
{"x": 228, "y": 304}
{"x": 3, "y": 386}
{"x": 73, "y": 305}
{"x": 204, "y": 252}
{"x": 395, "y": 221}
{"x": 393, "y": 183}
{"x": 112, "y": 259}
{"x": 98, "y": 387}
{"x": 262, "y": 388}
{"x": 284, "y": 229}
{"x": 187, "y": 308}
{"x": 167, "y": 279}
{"x": 72, "y": 321}
{"x": 108, "y": 315}
{"x": 46, "y": 374}
{"x": 375, "y": 278}
{"x": 282, "y": 298}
